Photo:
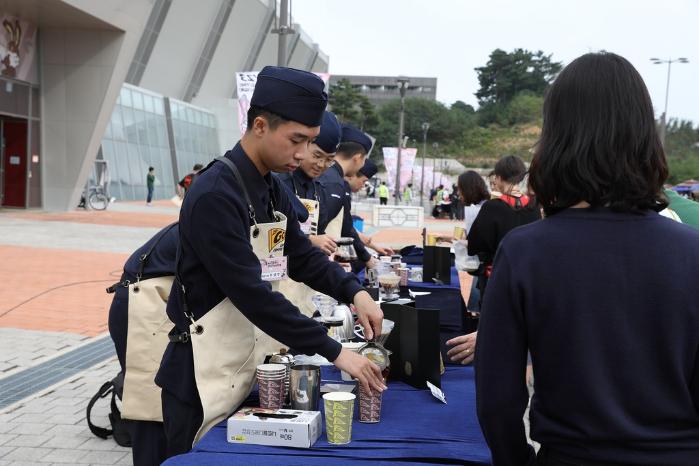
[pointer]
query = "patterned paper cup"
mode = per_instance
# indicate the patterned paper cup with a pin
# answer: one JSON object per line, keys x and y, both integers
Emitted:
{"x": 271, "y": 393}
{"x": 369, "y": 406}
{"x": 339, "y": 408}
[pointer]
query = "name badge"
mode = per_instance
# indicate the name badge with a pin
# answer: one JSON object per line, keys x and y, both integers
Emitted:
{"x": 273, "y": 268}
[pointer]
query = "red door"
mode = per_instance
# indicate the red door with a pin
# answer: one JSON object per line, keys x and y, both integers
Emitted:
{"x": 14, "y": 163}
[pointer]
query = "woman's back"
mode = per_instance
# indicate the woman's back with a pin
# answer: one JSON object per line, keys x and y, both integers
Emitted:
{"x": 613, "y": 330}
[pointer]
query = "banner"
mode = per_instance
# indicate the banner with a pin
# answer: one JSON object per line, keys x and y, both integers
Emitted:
{"x": 417, "y": 176}
{"x": 17, "y": 45}
{"x": 390, "y": 160}
{"x": 245, "y": 83}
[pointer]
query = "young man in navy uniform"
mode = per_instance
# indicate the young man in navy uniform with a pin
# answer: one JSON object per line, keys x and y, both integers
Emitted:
{"x": 237, "y": 232}
{"x": 320, "y": 155}
{"x": 336, "y": 202}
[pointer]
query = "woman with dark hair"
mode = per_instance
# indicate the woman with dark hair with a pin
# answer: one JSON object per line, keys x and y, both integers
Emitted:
{"x": 498, "y": 216}
{"x": 494, "y": 220}
{"x": 599, "y": 292}
{"x": 473, "y": 192}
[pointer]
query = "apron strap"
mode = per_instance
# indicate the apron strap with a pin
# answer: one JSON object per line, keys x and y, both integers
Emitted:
{"x": 239, "y": 178}
{"x": 143, "y": 260}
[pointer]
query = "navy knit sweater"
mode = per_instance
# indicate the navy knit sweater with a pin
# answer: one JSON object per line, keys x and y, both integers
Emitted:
{"x": 608, "y": 306}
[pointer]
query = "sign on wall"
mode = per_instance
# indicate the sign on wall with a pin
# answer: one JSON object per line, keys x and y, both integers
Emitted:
{"x": 17, "y": 46}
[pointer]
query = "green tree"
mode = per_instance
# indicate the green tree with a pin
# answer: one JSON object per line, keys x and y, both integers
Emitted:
{"x": 351, "y": 106}
{"x": 507, "y": 74}
{"x": 682, "y": 150}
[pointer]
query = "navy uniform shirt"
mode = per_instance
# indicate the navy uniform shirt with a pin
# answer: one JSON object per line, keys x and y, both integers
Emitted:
{"x": 336, "y": 194}
{"x": 217, "y": 261}
{"x": 303, "y": 186}
{"x": 161, "y": 261}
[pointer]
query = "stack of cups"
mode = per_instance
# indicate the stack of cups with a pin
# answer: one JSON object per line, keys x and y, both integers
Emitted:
{"x": 270, "y": 379}
{"x": 369, "y": 406}
{"x": 339, "y": 409}
{"x": 404, "y": 273}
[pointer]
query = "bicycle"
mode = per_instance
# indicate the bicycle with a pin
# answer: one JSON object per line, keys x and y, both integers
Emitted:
{"x": 97, "y": 199}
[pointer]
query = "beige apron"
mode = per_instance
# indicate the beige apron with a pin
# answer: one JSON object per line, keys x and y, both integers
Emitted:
{"x": 299, "y": 293}
{"x": 148, "y": 327}
{"x": 229, "y": 347}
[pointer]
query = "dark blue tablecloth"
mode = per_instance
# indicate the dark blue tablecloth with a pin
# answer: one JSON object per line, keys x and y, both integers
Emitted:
{"x": 415, "y": 429}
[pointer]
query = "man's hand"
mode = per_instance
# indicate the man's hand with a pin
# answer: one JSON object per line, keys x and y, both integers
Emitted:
{"x": 464, "y": 348}
{"x": 361, "y": 368}
{"x": 369, "y": 314}
{"x": 382, "y": 250}
{"x": 371, "y": 263}
{"x": 324, "y": 243}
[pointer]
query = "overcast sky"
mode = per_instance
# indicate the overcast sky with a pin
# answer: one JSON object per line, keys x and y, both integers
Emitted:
{"x": 447, "y": 39}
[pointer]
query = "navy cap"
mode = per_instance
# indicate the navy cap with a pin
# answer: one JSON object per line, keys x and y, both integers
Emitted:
{"x": 369, "y": 169}
{"x": 293, "y": 94}
{"x": 330, "y": 133}
{"x": 352, "y": 134}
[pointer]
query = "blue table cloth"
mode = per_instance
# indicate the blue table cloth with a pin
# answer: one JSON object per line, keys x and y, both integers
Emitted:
{"x": 415, "y": 429}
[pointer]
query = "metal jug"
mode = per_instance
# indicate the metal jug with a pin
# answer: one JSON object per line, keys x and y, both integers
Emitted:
{"x": 282, "y": 357}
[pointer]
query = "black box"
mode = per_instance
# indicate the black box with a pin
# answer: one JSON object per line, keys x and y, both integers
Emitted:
{"x": 436, "y": 265}
{"x": 414, "y": 342}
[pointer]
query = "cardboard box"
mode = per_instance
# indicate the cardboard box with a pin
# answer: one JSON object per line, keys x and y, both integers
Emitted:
{"x": 281, "y": 427}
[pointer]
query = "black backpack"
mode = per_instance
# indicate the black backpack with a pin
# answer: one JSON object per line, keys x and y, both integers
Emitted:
{"x": 120, "y": 427}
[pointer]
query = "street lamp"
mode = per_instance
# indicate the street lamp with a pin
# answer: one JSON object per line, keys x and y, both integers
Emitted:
{"x": 663, "y": 118}
{"x": 425, "y": 128}
{"x": 435, "y": 146}
{"x": 402, "y": 87}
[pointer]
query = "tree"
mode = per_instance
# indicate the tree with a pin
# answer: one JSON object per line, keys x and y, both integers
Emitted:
{"x": 350, "y": 106}
{"x": 507, "y": 74}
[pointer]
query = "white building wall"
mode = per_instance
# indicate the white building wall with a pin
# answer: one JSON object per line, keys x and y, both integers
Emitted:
{"x": 179, "y": 45}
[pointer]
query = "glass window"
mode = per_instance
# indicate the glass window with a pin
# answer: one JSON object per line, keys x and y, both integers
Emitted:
{"x": 126, "y": 97}
{"x": 158, "y": 105}
{"x": 137, "y": 100}
{"x": 148, "y": 104}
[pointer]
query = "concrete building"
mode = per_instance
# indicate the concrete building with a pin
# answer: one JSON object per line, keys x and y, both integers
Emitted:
{"x": 380, "y": 89}
{"x": 104, "y": 89}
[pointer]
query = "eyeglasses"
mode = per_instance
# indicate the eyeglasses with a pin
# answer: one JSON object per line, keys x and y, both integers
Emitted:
{"x": 325, "y": 161}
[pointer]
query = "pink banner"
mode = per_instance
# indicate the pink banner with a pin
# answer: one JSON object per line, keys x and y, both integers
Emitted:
{"x": 407, "y": 160}
{"x": 417, "y": 176}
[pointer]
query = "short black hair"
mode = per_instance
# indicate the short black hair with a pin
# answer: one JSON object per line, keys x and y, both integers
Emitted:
{"x": 599, "y": 141}
{"x": 347, "y": 150}
{"x": 273, "y": 120}
{"x": 511, "y": 169}
{"x": 150, "y": 169}
{"x": 472, "y": 188}
{"x": 197, "y": 166}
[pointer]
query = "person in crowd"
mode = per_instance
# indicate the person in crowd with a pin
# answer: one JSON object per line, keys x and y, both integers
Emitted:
{"x": 495, "y": 219}
{"x": 336, "y": 201}
{"x": 456, "y": 204}
{"x": 186, "y": 182}
{"x": 356, "y": 182}
{"x": 382, "y": 192}
{"x": 233, "y": 220}
{"x": 445, "y": 203}
{"x": 150, "y": 184}
{"x": 600, "y": 293}
{"x": 138, "y": 325}
{"x": 686, "y": 210}
{"x": 408, "y": 194}
{"x": 437, "y": 208}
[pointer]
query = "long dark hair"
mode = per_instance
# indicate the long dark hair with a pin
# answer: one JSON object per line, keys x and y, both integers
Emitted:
{"x": 472, "y": 188}
{"x": 599, "y": 141}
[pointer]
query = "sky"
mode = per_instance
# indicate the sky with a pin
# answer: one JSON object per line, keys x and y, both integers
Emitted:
{"x": 447, "y": 39}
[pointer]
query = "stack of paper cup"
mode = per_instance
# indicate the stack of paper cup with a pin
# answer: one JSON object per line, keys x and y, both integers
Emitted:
{"x": 270, "y": 379}
{"x": 339, "y": 409}
{"x": 369, "y": 406}
{"x": 404, "y": 273}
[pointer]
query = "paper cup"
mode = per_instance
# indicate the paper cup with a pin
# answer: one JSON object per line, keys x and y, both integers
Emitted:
{"x": 339, "y": 409}
{"x": 369, "y": 406}
{"x": 271, "y": 393}
{"x": 404, "y": 274}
